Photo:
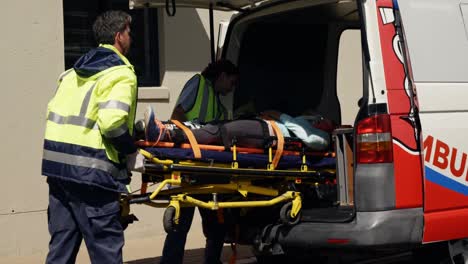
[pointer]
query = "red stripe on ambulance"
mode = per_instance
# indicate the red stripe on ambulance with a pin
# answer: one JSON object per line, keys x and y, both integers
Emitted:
{"x": 443, "y": 157}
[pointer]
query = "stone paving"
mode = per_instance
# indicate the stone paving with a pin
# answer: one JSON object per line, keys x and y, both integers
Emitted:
{"x": 143, "y": 244}
{"x": 148, "y": 251}
{"x": 195, "y": 256}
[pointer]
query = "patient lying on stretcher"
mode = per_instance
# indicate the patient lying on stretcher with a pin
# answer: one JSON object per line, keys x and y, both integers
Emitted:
{"x": 313, "y": 130}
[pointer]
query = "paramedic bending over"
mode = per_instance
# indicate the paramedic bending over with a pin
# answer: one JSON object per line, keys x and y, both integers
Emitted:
{"x": 199, "y": 101}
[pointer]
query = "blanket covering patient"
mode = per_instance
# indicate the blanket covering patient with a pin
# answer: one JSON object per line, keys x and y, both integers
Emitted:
{"x": 312, "y": 129}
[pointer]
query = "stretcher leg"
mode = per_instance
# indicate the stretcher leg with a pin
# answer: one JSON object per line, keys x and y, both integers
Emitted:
{"x": 171, "y": 215}
{"x": 287, "y": 196}
{"x": 296, "y": 205}
{"x": 175, "y": 180}
{"x": 290, "y": 213}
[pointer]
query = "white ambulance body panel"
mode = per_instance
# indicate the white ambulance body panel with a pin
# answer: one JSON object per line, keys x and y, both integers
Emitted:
{"x": 438, "y": 46}
{"x": 437, "y": 40}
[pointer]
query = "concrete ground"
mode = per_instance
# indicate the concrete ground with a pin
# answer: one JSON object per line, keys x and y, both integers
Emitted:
{"x": 148, "y": 250}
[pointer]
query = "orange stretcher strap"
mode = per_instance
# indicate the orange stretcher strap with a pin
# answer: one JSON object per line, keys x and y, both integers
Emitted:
{"x": 191, "y": 138}
{"x": 280, "y": 146}
{"x": 241, "y": 150}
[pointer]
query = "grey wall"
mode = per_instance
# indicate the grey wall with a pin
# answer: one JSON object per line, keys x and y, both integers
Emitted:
{"x": 185, "y": 46}
{"x": 32, "y": 59}
{"x": 349, "y": 75}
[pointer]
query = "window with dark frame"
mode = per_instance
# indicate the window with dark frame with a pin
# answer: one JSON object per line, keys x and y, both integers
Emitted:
{"x": 78, "y": 18}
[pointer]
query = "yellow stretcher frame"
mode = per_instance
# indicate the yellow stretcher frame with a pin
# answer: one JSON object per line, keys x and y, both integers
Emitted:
{"x": 181, "y": 196}
{"x": 244, "y": 188}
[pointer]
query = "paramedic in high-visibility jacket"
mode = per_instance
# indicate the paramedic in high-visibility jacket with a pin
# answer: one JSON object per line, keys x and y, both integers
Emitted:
{"x": 89, "y": 149}
{"x": 199, "y": 102}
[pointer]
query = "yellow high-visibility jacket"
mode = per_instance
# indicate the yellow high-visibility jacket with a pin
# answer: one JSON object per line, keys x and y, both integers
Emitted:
{"x": 90, "y": 121}
{"x": 207, "y": 106}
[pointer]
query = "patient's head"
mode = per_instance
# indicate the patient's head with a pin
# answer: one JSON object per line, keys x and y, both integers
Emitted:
{"x": 325, "y": 124}
{"x": 318, "y": 121}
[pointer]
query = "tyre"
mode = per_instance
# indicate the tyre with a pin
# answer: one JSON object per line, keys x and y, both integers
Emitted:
{"x": 285, "y": 215}
{"x": 451, "y": 252}
{"x": 168, "y": 219}
{"x": 458, "y": 251}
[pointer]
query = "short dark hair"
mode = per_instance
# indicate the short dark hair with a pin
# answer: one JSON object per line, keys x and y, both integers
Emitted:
{"x": 108, "y": 24}
{"x": 214, "y": 69}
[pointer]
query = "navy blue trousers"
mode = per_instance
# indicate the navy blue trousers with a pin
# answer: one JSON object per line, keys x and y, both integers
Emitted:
{"x": 77, "y": 212}
{"x": 173, "y": 251}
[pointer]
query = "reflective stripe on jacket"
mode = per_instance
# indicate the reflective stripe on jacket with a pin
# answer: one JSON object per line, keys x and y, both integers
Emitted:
{"x": 90, "y": 121}
{"x": 207, "y": 106}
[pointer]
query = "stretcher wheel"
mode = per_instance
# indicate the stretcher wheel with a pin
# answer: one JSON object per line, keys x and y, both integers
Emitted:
{"x": 285, "y": 215}
{"x": 168, "y": 219}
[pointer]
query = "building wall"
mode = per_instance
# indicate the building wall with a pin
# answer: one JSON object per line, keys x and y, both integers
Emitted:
{"x": 185, "y": 50}
{"x": 32, "y": 55}
{"x": 32, "y": 58}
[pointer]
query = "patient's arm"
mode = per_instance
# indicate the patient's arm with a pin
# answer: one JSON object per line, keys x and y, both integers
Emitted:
{"x": 312, "y": 137}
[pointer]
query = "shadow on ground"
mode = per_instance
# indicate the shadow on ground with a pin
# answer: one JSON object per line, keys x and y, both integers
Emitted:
{"x": 195, "y": 256}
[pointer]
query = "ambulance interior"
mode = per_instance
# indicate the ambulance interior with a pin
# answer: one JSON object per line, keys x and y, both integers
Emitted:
{"x": 299, "y": 56}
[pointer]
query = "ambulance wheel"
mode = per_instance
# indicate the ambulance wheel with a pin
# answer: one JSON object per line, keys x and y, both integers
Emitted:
{"x": 168, "y": 219}
{"x": 285, "y": 215}
{"x": 458, "y": 251}
{"x": 448, "y": 252}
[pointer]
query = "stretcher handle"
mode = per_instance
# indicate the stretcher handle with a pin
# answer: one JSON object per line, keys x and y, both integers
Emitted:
{"x": 139, "y": 200}
{"x": 154, "y": 167}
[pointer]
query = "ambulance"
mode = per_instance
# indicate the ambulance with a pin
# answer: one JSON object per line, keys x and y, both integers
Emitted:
{"x": 402, "y": 174}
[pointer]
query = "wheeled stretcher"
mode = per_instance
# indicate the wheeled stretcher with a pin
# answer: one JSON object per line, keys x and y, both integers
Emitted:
{"x": 216, "y": 177}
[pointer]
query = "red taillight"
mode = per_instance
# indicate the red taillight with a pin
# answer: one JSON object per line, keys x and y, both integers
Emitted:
{"x": 337, "y": 241}
{"x": 374, "y": 140}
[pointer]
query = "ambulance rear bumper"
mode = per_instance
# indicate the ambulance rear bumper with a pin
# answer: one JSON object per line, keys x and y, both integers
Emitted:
{"x": 367, "y": 229}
